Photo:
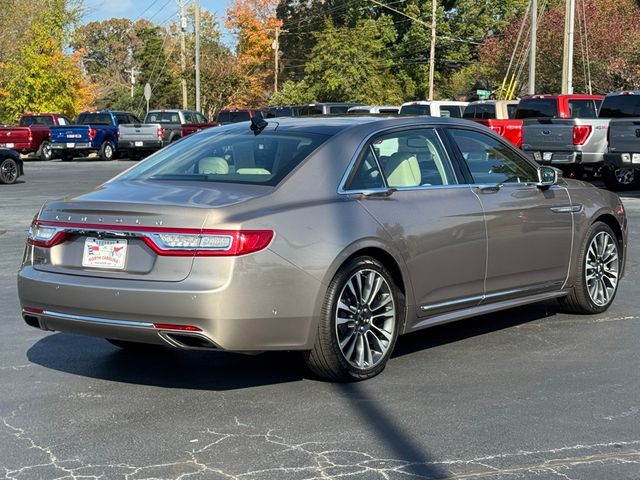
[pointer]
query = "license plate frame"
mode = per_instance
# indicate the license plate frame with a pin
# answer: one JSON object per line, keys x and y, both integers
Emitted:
{"x": 9, "y": 145}
{"x": 105, "y": 253}
{"x": 138, "y": 144}
{"x": 71, "y": 145}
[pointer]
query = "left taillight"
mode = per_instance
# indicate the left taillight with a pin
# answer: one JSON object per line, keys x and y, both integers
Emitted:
{"x": 92, "y": 134}
{"x": 45, "y": 236}
{"x": 209, "y": 243}
{"x": 581, "y": 134}
{"x": 160, "y": 133}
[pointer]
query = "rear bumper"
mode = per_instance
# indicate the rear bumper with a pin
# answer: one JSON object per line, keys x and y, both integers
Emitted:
{"x": 132, "y": 145}
{"x": 20, "y": 147}
{"x": 621, "y": 160}
{"x": 548, "y": 157}
{"x": 267, "y": 304}
{"x": 73, "y": 146}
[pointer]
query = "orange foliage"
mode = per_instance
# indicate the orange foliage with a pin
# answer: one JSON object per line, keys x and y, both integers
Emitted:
{"x": 254, "y": 22}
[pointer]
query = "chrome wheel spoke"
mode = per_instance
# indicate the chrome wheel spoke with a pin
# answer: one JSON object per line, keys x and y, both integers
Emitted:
{"x": 601, "y": 268}
{"x": 365, "y": 319}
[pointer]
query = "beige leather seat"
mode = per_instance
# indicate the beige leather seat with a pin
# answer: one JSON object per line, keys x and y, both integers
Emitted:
{"x": 403, "y": 170}
{"x": 213, "y": 166}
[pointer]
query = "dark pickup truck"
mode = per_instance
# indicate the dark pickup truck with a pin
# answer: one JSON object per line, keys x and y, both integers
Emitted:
{"x": 622, "y": 160}
{"x": 160, "y": 128}
{"x": 93, "y": 132}
{"x": 32, "y": 133}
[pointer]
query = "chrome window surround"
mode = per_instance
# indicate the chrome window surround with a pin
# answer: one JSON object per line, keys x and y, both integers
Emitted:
{"x": 360, "y": 151}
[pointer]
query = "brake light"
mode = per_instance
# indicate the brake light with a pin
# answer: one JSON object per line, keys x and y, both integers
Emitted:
{"x": 209, "y": 243}
{"x": 45, "y": 236}
{"x": 92, "y": 134}
{"x": 160, "y": 133}
{"x": 581, "y": 133}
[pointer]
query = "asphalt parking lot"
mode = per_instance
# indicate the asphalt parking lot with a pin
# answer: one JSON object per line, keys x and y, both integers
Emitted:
{"x": 527, "y": 393}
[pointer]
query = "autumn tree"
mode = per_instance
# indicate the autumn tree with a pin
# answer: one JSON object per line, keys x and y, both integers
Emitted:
{"x": 254, "y": 23}
{"x": 43, "y": 77}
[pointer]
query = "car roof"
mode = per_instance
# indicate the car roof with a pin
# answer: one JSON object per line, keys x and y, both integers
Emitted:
{"x": 435, "y": 102}
{"x": 331, "y": 125}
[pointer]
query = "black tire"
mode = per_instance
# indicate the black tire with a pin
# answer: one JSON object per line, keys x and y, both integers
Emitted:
{"x": 620, "y": 179}
{"x": 9, "y": 171}
{"x": 107, "y": 152}
{"x": 133, "y": 346}
{"x": 579, "y": 300}
{"x": 327, "y": 360}
{"x": 45, "y": 153}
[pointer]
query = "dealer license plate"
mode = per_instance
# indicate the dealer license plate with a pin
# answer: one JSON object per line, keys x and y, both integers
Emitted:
{"x": 9, "y": 145}
{"x": 104, "y": 253}
{"x": 635, "y": 158}
{"x": 138, "y": 144}
{"x": 71, "y": 145}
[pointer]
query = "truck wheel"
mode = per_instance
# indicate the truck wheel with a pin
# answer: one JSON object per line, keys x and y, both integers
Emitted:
{"x": 106, "y": 151}
{"x": 8, "y": 171}
{"x": 44, "y": 152}
{"x": 619, "y": 179}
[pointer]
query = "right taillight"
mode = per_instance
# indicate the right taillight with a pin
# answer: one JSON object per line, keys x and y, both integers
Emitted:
{"x": 160, "y": 133}
{"x": 581, "y": 134}
{"x": 92, "y": 134}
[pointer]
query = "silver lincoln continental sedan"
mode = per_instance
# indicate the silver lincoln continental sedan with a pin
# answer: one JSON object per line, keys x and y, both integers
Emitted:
{"x": 331, "y": 236}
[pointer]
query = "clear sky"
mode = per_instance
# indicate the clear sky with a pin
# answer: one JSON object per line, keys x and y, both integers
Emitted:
{"x": 158, "y": 11}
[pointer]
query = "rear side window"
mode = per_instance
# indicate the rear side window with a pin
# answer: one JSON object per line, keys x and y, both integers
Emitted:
{"x": 537, "y": 108}
{"x": 511, "y": 110}
{"x": 620, "y": 106}
{"x": 94, "y": 119}
{"x": 310, "y": 110}
{"x": 482, "y": 111}
{"x": 236, "y": 156}
{"x": 583, "y": 109}
{"x": 470, "y": 111}
{"x": 163, "y": 117}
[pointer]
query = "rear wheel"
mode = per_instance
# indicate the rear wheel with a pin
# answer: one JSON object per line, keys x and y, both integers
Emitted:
{"x": 597, "y": 272}
{"x": 619, "y": 179}
{"x": 9, "y": 171}
{"x": 44, "y": 152}
{"x": 359, "y": 324}
{"x": 106, "y": 151}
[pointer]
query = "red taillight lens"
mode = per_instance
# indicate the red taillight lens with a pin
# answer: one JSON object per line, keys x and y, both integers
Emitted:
{"x": 581, "y": 134}
{"x": 45, "y": 236}
{"x": 180, "y": 328}
{"x": 160, "y": 133}
{"x": 209, "y": 243}
{"x": 37, "y": 311}
{"x": 92, "y": 133}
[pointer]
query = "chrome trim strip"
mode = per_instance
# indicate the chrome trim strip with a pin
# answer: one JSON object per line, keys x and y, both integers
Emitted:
{"x": 491, "y": 296}
{"x": 567, "y": 209}
{"x": 96, "y": 320}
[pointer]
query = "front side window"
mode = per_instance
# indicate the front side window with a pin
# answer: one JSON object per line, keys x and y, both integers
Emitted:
{"x": 411, "y": 158}
{"x": 490, "y": 161}
{"x": 236, "y": 156}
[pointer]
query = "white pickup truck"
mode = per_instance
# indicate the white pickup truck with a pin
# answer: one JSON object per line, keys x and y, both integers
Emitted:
{"x": 622, "y": 160}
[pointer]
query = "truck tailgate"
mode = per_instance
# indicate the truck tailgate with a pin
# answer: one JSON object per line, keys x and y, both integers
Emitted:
{"x": 548, "y": 135}
{"x": 139, "y": 132}
{"x": 11, "y": 136}
{"x": 624, "y": 136}
{"x": 74, "y": 134}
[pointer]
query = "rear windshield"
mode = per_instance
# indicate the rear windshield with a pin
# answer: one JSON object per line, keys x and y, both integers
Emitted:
{"x": 236, "y": 156}
{"x": 163, "y": 117}
{"x": 450, "y": 111}
{"x": 280, "y": 112}
{"x": 620, "y": 106}
{"x": 233, "y": 117}
{"x": 389, "y": 110}
{"x": 94, "y": 119}
{"x": 35, "y": 120}
{"x": 482, "y": 111}
{"x": 310, "y": 110}
{"x": 583, "y": 109}
{"x": 415, "y": 110}
{"x": 537, "y": 108}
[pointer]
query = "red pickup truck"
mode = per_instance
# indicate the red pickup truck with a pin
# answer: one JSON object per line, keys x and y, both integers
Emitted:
{"x": 32, "y": 134}
{"x": 499, "y": 116}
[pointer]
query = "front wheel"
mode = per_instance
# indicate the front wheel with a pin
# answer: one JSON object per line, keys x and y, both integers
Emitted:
{"x": 619, "y": 179}
{"x": 106, "y": 151}
{"x": 9, "y": 171}
{"x": 597, "y": 272}
{"x": 359, "y": 323}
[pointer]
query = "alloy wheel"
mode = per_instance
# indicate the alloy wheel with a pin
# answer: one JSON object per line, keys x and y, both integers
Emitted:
{"x": 9, "y": 171}
{"x": 602, "y": 268}
{"x": 365, "y": 319}
{"x": 624, "y": 176}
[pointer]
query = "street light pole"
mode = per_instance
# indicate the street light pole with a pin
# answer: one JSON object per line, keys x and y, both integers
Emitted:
{"x": 197, "y": 15}
{"x": 534, "y": 47}
{"x": 432, "y": 55}
{"x": 567, "y": 63}
{"x": 183, "y": 55}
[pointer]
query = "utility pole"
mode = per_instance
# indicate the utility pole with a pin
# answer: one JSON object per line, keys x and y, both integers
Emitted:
{"x": 534, "y": 47}
{"x": 432, "y": 55}
{"x": 276, "y": 48}
{"x": 567, "y": 63}
{"x": 133, "y": 71}
{"x": 183, "y": 55}
{"x": 197, "y": 15}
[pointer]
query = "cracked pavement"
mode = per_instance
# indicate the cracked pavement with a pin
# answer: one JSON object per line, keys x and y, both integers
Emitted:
{"x": 530, "y": 393}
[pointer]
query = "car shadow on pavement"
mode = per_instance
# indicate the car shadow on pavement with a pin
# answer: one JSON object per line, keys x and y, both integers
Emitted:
{"x": 163, "y": 366}
{"x": 210, "y": 370}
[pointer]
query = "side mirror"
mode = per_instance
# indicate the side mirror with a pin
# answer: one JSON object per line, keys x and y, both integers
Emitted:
{"x": 547, "y": 176}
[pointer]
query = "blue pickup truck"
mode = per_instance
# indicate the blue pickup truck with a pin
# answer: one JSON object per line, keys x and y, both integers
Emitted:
{"x": 93, "y": 132}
